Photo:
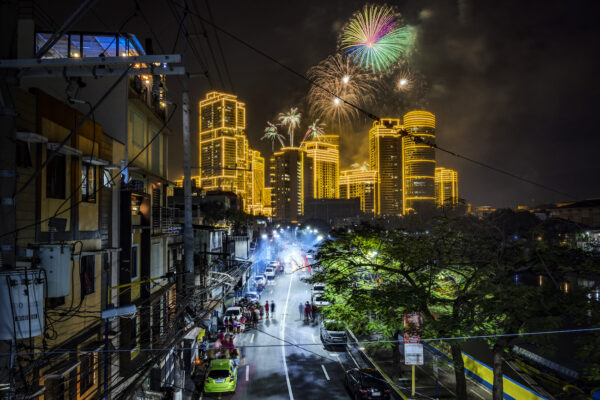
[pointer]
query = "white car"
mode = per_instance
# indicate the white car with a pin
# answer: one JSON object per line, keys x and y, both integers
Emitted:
{"x": 252, "y": 296}
{"x": 270, "y": 273}
{"x": 318, "y": 288}
{"x": 235, "y": 312}
{"x": 319, "y": 301}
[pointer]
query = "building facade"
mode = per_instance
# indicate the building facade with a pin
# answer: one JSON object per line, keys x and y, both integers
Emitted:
{"x": 361, "y": 184}
{"x": 322, "y": 160}
{"x": 287, "y": 172}
{"x": 223, "y": 144}
{"x": 446, "y": 187}
{"x": 385, "y": 157}
{"x": 256, "y": 183}
{"x": 418, "y": 160}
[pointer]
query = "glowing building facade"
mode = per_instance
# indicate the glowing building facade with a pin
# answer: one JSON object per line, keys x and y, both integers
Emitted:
{"x": 385, "y": 158}
{"x": 446, "y": 187}
{"x": 322, "y": 160}
{"x": 362, "y": 184}
{"x": 418, "y": 160}
{"x": 286, "y": 177}
{"x": 223, "y": 144}
{"x": 266, "y": 198}
{"x": 256, "y": 183}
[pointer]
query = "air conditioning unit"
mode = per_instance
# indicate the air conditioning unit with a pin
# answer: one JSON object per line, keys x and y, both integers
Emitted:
{"x": 55, "y": 260}
{"x": 21, "y": 303}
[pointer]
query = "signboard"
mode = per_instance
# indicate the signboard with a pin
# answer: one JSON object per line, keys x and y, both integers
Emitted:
{"x": 413, "y": 349}
{"x": 413, "y": 354}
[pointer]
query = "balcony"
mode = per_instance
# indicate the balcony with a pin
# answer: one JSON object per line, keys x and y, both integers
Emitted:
{"x": 149, "y": 90}
{"x": 164, "y": 221}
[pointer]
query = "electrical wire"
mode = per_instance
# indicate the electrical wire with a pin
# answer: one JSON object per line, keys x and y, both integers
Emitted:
{"x": 212, "y": 19}
{"x": 367, "y": 113}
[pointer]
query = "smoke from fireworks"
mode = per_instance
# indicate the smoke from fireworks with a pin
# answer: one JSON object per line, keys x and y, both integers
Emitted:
{"x": 375, "y": 38}
{"x": 271, "y": 133}
{"x": 336, "y": 82}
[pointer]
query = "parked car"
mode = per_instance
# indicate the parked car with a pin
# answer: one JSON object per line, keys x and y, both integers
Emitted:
{"x": 270, "y": 273}
{"x": 252, "y": 296}
{"x": 318, "y": 288}
{"x": 319, "y": 301}
{"x": 366, "y": 383}
{"x": 333, "y": 333}
{"x": 221, "y": 376}
{"x": 235, "y": 312}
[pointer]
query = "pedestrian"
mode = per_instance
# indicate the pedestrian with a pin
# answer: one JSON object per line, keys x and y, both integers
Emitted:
{"x": 236, "y": 326}
{"x": 243, "y": 323}
{"x": 313, "y": 311}
{"x": 226, "y": 324}
{"x": 267, "y": 308}
{"x": 255, "y": 318}
{"x": 262, "y": 311}
{"x": 301, "y": 309}
{"x": 273, "y": 308}
{"x": 307, "y": 311}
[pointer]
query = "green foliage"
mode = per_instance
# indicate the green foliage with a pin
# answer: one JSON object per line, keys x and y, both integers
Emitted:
{"x": 462, "y": 274}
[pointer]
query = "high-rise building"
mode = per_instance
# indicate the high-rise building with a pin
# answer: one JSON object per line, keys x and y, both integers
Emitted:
{"x": 385, "y": 157}
{"x": 418, "y": 160}
{"x": 286, "y": 179}
{"x": 322, "y": 160}
{"x": 362, "y": 184}
{"x": 446, "y": 187}
{"x": 266, "y": 199}
{"x": 256, "y": 181}
{"x": 223, "y": 143}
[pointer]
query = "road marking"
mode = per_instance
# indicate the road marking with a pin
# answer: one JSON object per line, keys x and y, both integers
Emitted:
{"x": 353, "y": 359}
{"x": 313, "y": 338}
{"x": 252, "y": 338}
{"x": 287, "y": 375}
{"x": 325, "y": 371}
{"x": 247, "y": 372}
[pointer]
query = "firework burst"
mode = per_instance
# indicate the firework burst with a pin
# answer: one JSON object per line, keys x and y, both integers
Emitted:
{"x": 336, "y": 82}
{"x": 272, "y": 134}
{"x": 292, "y": 120}
{"x": 375, "y": 38}
{"x": 314, "y": 131}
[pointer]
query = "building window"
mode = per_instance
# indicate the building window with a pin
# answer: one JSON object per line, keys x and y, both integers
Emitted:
{"x": 56, "y": 172}
{"x": 88, "y": 183}
{"x": 86, "y": 373}
{"x": 134, "y": 261}
{"x": 88, "y": 275}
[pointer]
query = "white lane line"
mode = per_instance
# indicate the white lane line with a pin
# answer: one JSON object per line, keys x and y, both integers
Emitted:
{"x": 352, "y": 357}
{"x": 325, "y": 371}
{"x": 252, "y": 338}
{"x": 287, "y": 375}
{"x": 313, "y": 338}
{"x": 247, "y": 372}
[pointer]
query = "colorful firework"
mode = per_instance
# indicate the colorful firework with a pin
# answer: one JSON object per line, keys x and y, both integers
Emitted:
{"x": 292, "y": 120}
{"x": 272, "y": 133}
{"x": 337, "y": 83}
{"x": 314, "y": 131}
{"x": 375, "y": 38}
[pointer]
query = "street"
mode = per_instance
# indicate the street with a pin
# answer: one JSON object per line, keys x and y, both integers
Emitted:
{"x": 302, "y": 369}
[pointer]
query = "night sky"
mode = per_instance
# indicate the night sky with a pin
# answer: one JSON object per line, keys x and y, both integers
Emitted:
{"x": 513, "y": 83}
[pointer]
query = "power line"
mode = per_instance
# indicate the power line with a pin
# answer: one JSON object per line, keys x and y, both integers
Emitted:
{"x": 212, "y": 19}
{"x": 367, "y": 113}
{"x": 289, "y": 344}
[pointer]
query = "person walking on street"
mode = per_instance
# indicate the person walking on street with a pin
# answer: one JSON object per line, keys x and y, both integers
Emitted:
{"x": 262, "y": 311}
{"x": 255, "y": 318}
{"x": 301, "y": 309}
{"x": 267, "y": 308}
{"x": 273, "y": 308}
{"x": 307, "y": 311}
{"x": 313, "y": 311}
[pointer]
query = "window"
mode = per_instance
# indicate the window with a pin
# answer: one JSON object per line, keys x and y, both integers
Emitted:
{"x": 87, "y": 271}
{"x": 134, "y": 261}
{"x": 86, "y": 373}
{"x": 108, "y": 180}
{"x": 56, "y": 172}
{"x": 156, "y": 261}
{"x": 88, "y": 183}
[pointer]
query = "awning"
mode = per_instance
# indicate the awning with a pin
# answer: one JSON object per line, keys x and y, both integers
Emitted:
{"x": 31, "y": 137}
{"x": 62, "y": 369}
{"x": 95, "y": 161}
{"x": 66, "y": 150}
{"x": 193, "y": 334}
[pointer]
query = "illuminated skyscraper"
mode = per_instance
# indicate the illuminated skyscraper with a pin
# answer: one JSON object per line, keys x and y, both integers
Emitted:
{"x": 256, "y": 182}
{"x": 446, "y": 187}
{"x": 360, "y": 183}
{"x": 266, "y": 198}
{"x": 286, "y": 179}
{"x": 223, "y": 143}
{"x": 385, "y": 157}
{"x": 322, "y": 160}
{"x": 419, "y": 160}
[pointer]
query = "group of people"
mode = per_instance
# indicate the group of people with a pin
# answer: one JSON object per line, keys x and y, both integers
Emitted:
{"x": 224, "y": 347}
{"x": 308, "y": 310}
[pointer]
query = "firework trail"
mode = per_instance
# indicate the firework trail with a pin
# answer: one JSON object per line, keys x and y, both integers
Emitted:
{"x": 375, "y": 38}
{"x": 315, "y": 131}
{"x": 272, "y": 133}
{"x": 292, "y": 120}
{"x": 336, "y": 80}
